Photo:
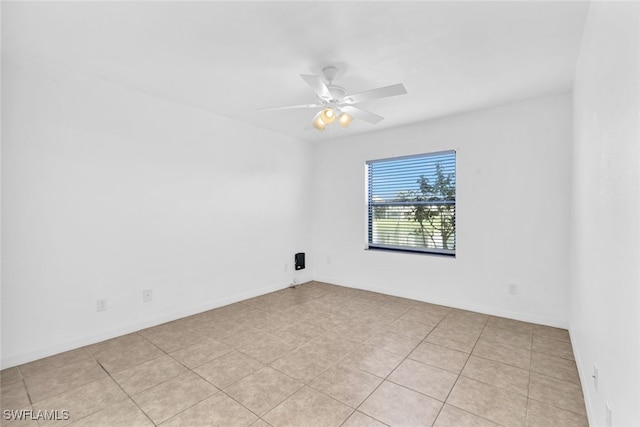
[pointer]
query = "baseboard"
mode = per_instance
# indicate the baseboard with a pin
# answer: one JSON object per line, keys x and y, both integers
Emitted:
{"x": 585, "y": 379}
{"x": 116, "y": 332}
{"x": 523, "y": 317}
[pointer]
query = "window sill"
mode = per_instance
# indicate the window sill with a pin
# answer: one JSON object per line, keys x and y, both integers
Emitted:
{"x": 410, "y": 251}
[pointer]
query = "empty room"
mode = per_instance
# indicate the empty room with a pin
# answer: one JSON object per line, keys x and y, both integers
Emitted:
{"x": 325, "y": 213}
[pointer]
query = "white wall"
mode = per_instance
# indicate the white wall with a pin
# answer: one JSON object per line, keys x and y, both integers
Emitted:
{"x": 107, "y": 192}
{"x": 605, "y": 273}
{"x": 513, "y": 183}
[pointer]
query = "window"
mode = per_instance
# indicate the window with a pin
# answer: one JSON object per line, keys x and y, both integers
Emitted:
{"x": 412, "y": 203}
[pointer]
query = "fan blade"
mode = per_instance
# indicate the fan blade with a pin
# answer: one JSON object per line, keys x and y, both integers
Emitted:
{"x": 290, "y": 107}
{"x": 361, "y": 114}
{"x": 381, "y": 92}
{"x": 317, "y": 85}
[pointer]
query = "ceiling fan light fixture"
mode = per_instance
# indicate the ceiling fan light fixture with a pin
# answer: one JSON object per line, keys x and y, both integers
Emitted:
{"x": 345, "y": 120}
{"x": 319, "y": 124}
{"x": 336, "y": 103}
{"x": 328, "y": 116}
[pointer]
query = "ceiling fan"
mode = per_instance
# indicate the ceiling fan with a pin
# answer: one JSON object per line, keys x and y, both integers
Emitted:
{"x": 337, "y": 104}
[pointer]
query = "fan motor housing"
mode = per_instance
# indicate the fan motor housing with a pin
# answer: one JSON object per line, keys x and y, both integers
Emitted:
{"x": 337, "y": 93}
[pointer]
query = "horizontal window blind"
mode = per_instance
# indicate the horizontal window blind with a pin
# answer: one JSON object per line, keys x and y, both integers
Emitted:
{"x": 412, "y": 203}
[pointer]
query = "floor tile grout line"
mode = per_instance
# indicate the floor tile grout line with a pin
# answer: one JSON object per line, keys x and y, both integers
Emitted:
{"x": 31, "y": 402}
{"x": 371, "y": 309}
{"x": 128, "y": 396}
{"x": 558, "y": 407}
{"x": 218, "y": 389}
{"x": 344, "y": 356}
{"x": 542, "y": 374}
{"x": 394, "y": 369}
{"x": 476, "y": 415}
{"x": 499, "y": 361}
{"x": 253, "y": 412}
{"x": 526, "y": 412}
{"x": 462, "y": 369}
{"x": 304, "y": 384}
{"x": 484, "y": 326}
{"x": 26, "y": 390}
{"x": 528, "y": 372}
{"x": 460, "y": 375}
{"x": 62, "y": 392}
{"x": 237, "y": 349}
{"x": 366, "y": 415}
{"x": 191, "y": 406}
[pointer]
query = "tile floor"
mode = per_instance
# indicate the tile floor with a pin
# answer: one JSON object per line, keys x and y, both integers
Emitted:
{"x": 318, "y": 355}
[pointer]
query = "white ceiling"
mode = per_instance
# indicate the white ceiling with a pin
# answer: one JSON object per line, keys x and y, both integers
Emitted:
{"x": 231, "y": 58}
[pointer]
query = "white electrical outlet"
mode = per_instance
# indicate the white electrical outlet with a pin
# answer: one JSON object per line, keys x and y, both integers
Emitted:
{"x": 286, "y": 267}
{"x": 329, "y": 260}
{"x": 512, "y": 289}
{"x": 595, "y": 376}
{"x": 101, "y": 305}
{"x": 147, "y": 295}
{"x": 608, "y": 422}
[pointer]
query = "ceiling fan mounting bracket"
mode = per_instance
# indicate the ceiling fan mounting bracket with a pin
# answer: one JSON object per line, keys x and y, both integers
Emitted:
{"x": 329, "y": 73}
